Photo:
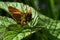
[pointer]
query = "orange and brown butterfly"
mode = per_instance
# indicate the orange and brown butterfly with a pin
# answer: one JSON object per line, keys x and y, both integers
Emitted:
{"x": 20, "y": 17}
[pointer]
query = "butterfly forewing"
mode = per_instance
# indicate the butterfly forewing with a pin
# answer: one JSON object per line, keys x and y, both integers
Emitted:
{"x": 14, "y": 10}
{"x": 15, "y": 13}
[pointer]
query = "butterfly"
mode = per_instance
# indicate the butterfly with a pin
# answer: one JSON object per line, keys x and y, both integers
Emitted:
{"x": 20, "y": 17}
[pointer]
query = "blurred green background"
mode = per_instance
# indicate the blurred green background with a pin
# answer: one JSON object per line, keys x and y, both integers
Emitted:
{"x": 50, "y": 8}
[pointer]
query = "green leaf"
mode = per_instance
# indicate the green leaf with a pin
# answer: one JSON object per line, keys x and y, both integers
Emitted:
{"x": 52, "y": 25}
{"x": 16, "y": 32}
{"x": 5, "y": 22}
